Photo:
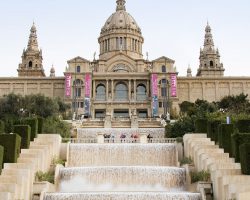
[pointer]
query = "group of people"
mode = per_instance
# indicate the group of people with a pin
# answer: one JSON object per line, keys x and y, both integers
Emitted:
{"x": 134, "y": 137}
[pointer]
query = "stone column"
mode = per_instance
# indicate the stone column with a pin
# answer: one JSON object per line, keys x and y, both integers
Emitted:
{"x": 94, "y": 90}
{"x": 147, "y": 89}
{"x": 107, "y": 89}
{"x": 135, "y": 89}
{"x": 230, "y": 88}
{"x": 129, "y": 90}
{"x": 112, "y": 89}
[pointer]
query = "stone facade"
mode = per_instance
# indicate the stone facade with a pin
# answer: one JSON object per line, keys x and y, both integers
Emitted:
{"x": 120, "y": 80}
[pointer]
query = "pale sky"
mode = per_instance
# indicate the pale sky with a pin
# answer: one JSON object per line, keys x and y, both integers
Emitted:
{"x": 175, "y": 29}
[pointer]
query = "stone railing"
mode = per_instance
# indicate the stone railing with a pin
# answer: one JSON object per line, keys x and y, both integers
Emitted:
{"x": 80, "y": 140}
{"x": 119, "y": 140}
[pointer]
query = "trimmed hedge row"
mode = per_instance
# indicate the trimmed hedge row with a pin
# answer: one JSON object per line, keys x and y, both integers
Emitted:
{"x": 200, "y": 126}
{"x": 238, "y": 139}
{"x": 213, "y": 129}
{"x": 1, "y": 158}
{"x": 33, "y": 123}
{"x": 243, "y": 126}
{"x": 24, "y": 132}
{"x": 1, "y": 127}
{"x": 225, "y": 141}
{"x": 11, "y": 144}
{"x": 40, "y": 124}
{"x": 245, "y": 158}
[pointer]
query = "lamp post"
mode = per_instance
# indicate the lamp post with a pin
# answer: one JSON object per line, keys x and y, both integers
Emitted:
{"x": 165, "y": 99}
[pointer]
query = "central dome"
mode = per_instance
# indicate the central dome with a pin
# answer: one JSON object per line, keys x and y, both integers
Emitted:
{"x": 120, "y": 33}
{"x": 120, "y": 20}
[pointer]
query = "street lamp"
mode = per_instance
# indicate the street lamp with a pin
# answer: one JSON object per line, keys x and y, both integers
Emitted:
{"x": 165, "y": 94}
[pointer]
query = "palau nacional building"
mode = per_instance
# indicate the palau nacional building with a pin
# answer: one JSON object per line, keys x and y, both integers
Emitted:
{"x": 120, "y": 83}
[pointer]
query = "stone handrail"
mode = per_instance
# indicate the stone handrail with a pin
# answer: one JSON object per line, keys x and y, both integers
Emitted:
{"x": 119, "y": 140}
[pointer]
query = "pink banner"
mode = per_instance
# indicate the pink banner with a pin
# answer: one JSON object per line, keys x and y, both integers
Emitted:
{"x": 154, "y": 84}
{"x": 67, "y": 85}
{"x": 87, "y": 85}
{"x": 173, "y": 85}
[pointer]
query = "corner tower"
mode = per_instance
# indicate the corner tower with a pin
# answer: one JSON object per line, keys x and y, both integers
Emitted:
{"x": 210, "y": 65}
{"x": 31, "y": 65}
{"x": 120, "y": 33}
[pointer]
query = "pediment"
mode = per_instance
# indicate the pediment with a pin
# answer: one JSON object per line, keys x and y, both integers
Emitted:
{"x": 78, "y": 59}
{"x": 121, "y": 63}
{"x": 164, "y": 59}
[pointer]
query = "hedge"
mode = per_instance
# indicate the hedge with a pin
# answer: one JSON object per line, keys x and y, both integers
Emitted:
{"x": 11, "y": 144}
{"x": 1, "y": 127}
{"x": 24, "y": 132}
{"x": 33, "y": 123}
{"x": 40, "y": 124}
{"x": 245, "y": 158}
{"x": 200, "y": 126}
{"x": 8, "y": 124}
{"x": 225, "y": 140}
{"x": 1, "y": 158}
{"x": 237, "y": 140}
{"x": 213, "y": 129}
{"x": 243, "y": 125}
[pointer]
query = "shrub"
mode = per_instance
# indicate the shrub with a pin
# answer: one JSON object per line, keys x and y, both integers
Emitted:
{"x": 200, "y": 176}
{"x": 186, "y": 160}
{"x": 213, "y": 129}
{"x": 33, "y": 123}
{"x": 245, "y": 158}
{"x": 237, "y": 140}
{"x": 11, "y": 144}
{"x": 225, "y": 133}
{"x": 243, "y": 125}
{"x": 8, "y": 124}
{"x": 200, "y": 126}
{"x": 24, "y": 132}
{"x": 1, "y": 127}
{"x": 45, "y": 176}
{"x": 40, "y": 124}
{"x": 1, "y": 158}
{"x": 58, "y": 161}
{"x": 55, "y": 125}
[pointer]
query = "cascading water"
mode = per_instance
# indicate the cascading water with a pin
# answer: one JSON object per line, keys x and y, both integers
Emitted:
{"x": 125, "y": 178}
{"x": 124, "y": 196}
{"x": 122, "y": 155}
{"x": 122, "y": 172}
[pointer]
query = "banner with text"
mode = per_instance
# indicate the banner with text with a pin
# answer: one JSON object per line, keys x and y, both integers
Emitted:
{"x": 67, "y": 85}
{"x": 173, "y": 85}
{"x": 87, "y": 96}
{"x": 154, "y": 94}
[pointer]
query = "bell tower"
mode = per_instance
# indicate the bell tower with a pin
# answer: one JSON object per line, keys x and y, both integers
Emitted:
{"x": 210, "y": 65}
{"x": 32, "y": 58}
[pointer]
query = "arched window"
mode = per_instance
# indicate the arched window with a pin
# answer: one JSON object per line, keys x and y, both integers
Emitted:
{"x": 30, "y": 64}
{"x": 141, "y": 92}
{"x": 78, "y": 69}
{"x": 121, "y": 92}
{"x": 211, "y": 63}
{"x": 100, "y": 92}
{"x": 163, "y": 68}
{"x": 77, "y": 85}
